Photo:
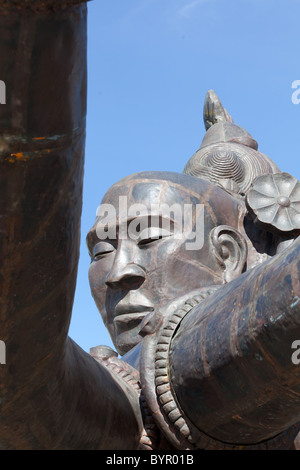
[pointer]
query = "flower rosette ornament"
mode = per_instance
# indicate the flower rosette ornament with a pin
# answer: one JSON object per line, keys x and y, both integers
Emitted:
{"x": 274, "y": 201}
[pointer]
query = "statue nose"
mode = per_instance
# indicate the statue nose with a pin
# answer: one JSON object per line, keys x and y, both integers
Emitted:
{"x": 130, "y": 277}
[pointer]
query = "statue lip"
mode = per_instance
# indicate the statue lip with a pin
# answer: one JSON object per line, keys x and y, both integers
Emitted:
{"x": 127, "y": 313}
{"x": 127, "y": 318}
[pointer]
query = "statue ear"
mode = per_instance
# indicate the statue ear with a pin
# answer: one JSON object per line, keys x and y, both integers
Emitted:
{"x": 230, "y": 249}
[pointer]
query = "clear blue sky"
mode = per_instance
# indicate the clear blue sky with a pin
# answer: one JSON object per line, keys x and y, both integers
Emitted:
{"x": 150, "y": 65}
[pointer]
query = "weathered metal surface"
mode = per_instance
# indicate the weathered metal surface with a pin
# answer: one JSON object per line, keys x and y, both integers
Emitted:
{"x": 37, "y": 5}
{"x": 231, "y": 368}
{"x": 43, "y": 64}
{"x": 207, "y": 329}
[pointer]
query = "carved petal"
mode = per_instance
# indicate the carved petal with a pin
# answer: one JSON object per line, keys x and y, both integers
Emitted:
{"x": 295, "y": 194}
{"x": 259, "y": 200}
{"x": 274, "y": 200}
{"x": 285, "y": 184}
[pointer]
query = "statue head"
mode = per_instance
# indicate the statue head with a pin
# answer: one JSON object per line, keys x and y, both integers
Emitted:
{"x": 161, "y": 237}
{"x": 157, "y": 238}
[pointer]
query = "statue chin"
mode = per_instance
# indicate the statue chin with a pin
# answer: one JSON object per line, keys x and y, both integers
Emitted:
{"x": 126, "y": 341}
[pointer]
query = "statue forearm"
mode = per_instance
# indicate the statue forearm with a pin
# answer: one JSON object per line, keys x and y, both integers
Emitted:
{"x": 231, "y": 366}
{"x": 43, "y": 65}
{"x": 52, "y": 392}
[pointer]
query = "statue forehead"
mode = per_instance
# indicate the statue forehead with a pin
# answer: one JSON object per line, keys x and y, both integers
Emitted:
{"x": 150, "y": 188}
{"x": 150, "y": 193}
{"x": 160, "y": 187}
{"x": 156, "y": 188}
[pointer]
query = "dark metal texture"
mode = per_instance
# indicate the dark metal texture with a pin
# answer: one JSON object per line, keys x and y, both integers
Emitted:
{"x": 50, "y": 390}
{"x": 231, "y": 359}
{"x": 210, "y": 328}
{"x": 37, "y": 5}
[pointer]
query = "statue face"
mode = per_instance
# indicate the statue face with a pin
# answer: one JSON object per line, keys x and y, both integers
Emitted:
{"x": 141, "y": 261}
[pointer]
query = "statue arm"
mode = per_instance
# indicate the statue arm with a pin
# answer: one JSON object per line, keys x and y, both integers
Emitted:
{"x": 51, "y": 392}
{"x": 231, "y": 358}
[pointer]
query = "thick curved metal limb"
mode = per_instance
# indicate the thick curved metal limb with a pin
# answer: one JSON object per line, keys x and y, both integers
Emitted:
{"x": 52, "y": 392}
{"x": 231, "y": 360}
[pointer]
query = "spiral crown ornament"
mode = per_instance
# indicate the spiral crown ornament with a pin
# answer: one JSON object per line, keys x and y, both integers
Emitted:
{"x": 228, "y": 155}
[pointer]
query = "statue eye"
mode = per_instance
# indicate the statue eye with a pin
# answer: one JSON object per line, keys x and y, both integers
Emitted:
{"x": 101, "y": 249}
{"x": 152, "y": 234}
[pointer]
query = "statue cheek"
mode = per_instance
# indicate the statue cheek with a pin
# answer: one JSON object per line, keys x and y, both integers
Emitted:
{"x": 98, "y": 273}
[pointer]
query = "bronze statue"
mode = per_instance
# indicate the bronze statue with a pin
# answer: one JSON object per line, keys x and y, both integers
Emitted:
{"x": 196, "y": 275}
